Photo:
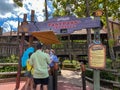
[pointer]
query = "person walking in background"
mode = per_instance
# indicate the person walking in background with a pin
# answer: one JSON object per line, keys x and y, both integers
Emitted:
{"x": 40, "y": 61}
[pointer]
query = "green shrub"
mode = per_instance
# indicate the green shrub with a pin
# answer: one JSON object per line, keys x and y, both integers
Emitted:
{"x": 106, "y": 75}
{"x": 71, "y": 64}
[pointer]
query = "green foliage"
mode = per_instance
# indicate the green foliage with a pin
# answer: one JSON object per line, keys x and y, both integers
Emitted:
{"x": 106, "y": 75}
{"x": 78, "y": 8}
{"x": 108, "y": 63}
{"x": 8, "y": 69}
{"x": 11, "y": 59}
{"x": 71, "y": 64}
{"x": 89, "y": 73}
{"x": 57, "y": 46}
{"x": 11, "y": 68}
{"x": 18, "y": 2}
{"x": 111, "y": 42}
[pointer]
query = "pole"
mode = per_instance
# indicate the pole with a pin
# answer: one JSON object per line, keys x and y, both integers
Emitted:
{"x": 46, "y": 11}
{"x": 55, "y": 76}
{"x": 96, "y": 79}
{"x": 96, "y": 72}
{"x": 88, "y": 30}
{"x": 83, "y": 76}
{"x": 88, "y": 43}
{"x": 19, "y": 63}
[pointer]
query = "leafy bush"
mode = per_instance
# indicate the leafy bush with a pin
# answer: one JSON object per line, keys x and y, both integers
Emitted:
{"x": 71, "y": 64}
{"x": 11, "y": 59}
{"x": 106, "y": 75}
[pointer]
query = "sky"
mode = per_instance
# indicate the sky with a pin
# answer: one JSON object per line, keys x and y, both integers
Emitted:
{"x": 11, "y": 13}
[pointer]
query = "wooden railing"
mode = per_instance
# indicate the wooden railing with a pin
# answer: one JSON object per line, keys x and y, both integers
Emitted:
{"x": 115, "y": 84}
{"x": 67, "y": 48}
{"x": 7, "y": 49}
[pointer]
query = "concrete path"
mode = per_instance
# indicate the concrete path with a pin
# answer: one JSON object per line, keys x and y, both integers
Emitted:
{"x": 68, "y": 80}
{"x": 71, "y": 80}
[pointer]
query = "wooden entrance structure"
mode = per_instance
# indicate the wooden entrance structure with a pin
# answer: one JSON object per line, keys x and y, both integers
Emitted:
{"x": 61, "y": 26}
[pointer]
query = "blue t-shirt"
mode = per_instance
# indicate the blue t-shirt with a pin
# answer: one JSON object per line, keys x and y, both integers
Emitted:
{"x": 54, "y": 59}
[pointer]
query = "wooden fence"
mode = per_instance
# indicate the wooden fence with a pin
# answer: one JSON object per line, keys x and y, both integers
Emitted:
{"x": 7, "y": 49}
{"x": 114, "y": 84}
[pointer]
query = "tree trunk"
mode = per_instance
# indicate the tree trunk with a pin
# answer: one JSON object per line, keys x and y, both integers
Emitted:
{"x": 111, "y": 51}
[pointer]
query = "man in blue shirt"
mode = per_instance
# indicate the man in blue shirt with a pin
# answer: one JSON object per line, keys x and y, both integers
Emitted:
{"x": 54, "y": 67}
{"x": 53, "y": 58}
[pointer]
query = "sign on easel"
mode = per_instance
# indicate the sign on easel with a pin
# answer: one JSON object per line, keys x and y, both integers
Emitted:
{"x": 97, "y": 56}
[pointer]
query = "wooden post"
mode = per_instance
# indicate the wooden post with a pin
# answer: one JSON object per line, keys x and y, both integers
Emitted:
{"x": 83, "y": 76}
{"x": 30, "y": 40}
{"x": 21, "y": 48}
{"x": 25, "y": 18}
{"x": 96, "y": 72}
{"x": 32, "y": 15}
{"x": 70, "y": 56}
{"x": 55, "y": 76}
{"x": 96, "y": 79}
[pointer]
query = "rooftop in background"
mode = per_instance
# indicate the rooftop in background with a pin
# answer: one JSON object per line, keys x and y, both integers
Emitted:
{"x": 77, "y": 32}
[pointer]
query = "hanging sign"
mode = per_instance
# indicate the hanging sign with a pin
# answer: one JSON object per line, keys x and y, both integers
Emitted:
{"x": 65, "y": 25}
{"x": 97, "y": 56}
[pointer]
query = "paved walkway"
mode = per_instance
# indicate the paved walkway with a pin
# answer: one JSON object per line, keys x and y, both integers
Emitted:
{"x": 71, "y": 80}
{"x": 68, "y": 80}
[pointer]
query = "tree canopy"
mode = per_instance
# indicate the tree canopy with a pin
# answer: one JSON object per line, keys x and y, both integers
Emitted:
{"x": 78, "y": 7}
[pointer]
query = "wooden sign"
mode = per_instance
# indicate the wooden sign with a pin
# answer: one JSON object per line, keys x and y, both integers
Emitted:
{"x": 65, "y": 25}
{"x": 97, "y": 56}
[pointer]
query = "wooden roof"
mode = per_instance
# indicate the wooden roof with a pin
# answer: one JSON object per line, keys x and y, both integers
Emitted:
{"x": 78, "y": 32}
{"x": 84, "y": 31}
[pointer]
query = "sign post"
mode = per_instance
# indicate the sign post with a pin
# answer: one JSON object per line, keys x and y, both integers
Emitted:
{"x": 97, "y": 58}
{"x": 97, "y": 54}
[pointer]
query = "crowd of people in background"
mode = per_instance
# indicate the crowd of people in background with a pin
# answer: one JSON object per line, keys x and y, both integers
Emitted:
{"x": 41, "y": 64}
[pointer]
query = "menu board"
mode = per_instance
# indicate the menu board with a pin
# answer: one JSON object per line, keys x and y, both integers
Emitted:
{"x": 97, "y": 56}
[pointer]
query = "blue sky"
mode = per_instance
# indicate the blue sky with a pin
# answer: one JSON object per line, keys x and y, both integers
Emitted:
{"x": 9, "y": 12}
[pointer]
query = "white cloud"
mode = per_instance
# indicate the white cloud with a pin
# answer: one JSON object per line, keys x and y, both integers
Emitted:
{"x": 11, "y": 12}
{"x": 6, "y": 6}
{"x": 6, "y": 27}
{"x": 37, "y": 5}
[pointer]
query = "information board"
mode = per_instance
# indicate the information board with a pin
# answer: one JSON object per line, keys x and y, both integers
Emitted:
{"x": 97, "y": 56}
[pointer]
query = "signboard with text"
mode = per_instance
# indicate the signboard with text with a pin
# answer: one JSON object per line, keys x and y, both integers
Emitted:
{"x": 65, "y": 25}
{"x": 97, "y": 56}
